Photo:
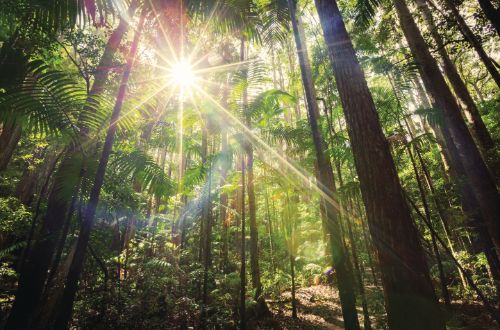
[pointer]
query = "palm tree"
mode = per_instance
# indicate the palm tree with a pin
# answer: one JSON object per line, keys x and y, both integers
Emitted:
{"x": 34, "y": 272}
{"x": 68, "y": 297}
{"x": 410, "y": 297}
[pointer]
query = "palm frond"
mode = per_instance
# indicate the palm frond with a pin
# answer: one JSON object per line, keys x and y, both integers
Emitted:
{"x": 46, "y": 103}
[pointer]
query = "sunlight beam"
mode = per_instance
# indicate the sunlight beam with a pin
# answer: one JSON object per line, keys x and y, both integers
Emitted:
{"x": 317, "y": 186}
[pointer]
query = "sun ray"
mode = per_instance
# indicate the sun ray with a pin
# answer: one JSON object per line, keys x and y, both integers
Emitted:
{"x": 130, "y": 111}
{"x": 164, "y": 33}
{"x": 223, "y": 67}
{"x": 194, "y": 52}
{"x": 316, "y": 186}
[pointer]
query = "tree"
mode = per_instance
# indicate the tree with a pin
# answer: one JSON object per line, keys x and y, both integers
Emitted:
{"x": 474, "y": 42}
{"x": 479, "y": 129}
{"x": 410, "y": 297}
{"x": 68, "y": 297}
{"x": 34, "y": 272}
{"x": 455, "y": 130}
{"x": 325, "y": 181}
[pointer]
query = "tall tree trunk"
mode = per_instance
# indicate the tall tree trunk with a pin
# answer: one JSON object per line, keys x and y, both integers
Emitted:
{"x": 33, "y": 275}
{"x": 455, "y": 130}
{"x": 492, "y": 13}
{"x": 75, "y": 270}
{"x": 478, "y": 126}
{"x": 325, "y": 181}
{"x": 472, "y": 39}
{"x": 410, "y": 299}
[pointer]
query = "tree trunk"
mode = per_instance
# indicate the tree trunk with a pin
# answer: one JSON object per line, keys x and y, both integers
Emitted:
{"x": 492, "y": 13}
{"x": 75, "y": 270}
{"x": 427, "y": 212}
{"x": 325, "y": 181}
{"x": 472, "y": 39}
{"x": 243, "y": 279}
{"x": 292, "y": 271}
{"x": 269, "y": 230}
{"x": 32, "y": 278}
{"x": 410, "y": 299}
{"x": 359, "y": 275}
{"x": 479, "y": 128}
{"x": 11, "y": 134}
{"x": 206, "y": 227}
{"x": 224, "y": 203}
{"x": 455, "y": 130}
{"x": 26, "y": 186}
{"x": 254, "y": 238}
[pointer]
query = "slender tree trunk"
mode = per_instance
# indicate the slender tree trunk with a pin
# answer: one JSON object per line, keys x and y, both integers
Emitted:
{"x": 410, "y": 299}
{"x": 243, "y": 279}
{"x": 207, "y": 247}
{"x": 32, "y": 278}
{"x": 359, "y": 275}
{"x": 75, "y": 270}
{"x": 455, "y": 130}
{"x": 11, "y": 134}
{"x": 269, "y": 230}
{"x": 26, "y": 186}
{"x": 444, "y": 288}
{"x": 254, "y": 238}
{"x": 325, "y": 181}
{"x": 442, "y": 214}
{"x": 224, "y": 203}
{"x": 472, "y": 39}
{"x": 292, "y": 271}
{"x": 427, "y": 212}
{"x": 479, "y": 128}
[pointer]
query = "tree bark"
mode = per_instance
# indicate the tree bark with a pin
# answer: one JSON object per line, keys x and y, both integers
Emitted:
{"x": 325, "y": 180}
{"x": 359, "y": 275}
{"x": 410, "y": 299}
{"x": 479, "y": 128}
{"x": 455, "y": 131}
{"x": 11, "y": 134}
{"x": 243, "y": 280}
{"x": 472, "y": 39}
{"x": 492, "y": 13}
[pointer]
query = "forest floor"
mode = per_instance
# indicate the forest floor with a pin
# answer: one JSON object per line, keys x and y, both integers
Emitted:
{"x": 318, "y": 308}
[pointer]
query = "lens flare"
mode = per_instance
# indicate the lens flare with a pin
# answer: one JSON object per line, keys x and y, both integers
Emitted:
{"x": 182, "y": 74}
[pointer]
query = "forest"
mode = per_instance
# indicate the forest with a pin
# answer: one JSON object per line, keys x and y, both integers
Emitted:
{"x": 249, "y": 164}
